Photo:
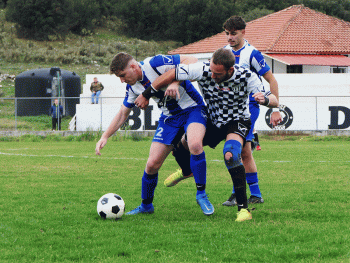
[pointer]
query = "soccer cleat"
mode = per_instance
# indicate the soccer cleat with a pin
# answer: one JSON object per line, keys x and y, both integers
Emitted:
{"x": 243, "y": 215}
{"x": 255, "y": 200}
{"x": 231, "y": 201}
{"x": 258, "y": 147}
{"x": 175, "y": 178}
{"x": 141, "y": 210}
{"x": 204, "y": 203}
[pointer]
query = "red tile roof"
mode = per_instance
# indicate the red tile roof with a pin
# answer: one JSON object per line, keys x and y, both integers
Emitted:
{"x": 294, "y": 30}
{"x": 316, "y": 60}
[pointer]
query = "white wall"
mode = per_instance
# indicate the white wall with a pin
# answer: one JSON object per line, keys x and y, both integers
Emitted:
{"x": 311, "y": 102}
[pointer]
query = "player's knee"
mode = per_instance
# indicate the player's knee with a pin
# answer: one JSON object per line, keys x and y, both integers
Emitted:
{"x": 246, "y": 152}
{"x": 153, "y": 166}
{"x": 232, "y": 154}
{"x": 196, "y": 148}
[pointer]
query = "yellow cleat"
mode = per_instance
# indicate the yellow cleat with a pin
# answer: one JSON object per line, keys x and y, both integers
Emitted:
{"x": 243, "y": 215}
{"x": 175, "y": 178}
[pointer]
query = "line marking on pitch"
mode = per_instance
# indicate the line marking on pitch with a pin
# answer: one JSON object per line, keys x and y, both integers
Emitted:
{"x": 144, "y": 159}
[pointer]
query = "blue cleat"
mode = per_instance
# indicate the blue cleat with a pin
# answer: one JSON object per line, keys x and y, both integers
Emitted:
{"x": 206, "y": 206}
{"x": 141, "y": 210}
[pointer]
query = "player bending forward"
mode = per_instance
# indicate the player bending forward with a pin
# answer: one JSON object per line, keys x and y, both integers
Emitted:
{"x": 225, "y": 88}
{"x": 187, "y": 113}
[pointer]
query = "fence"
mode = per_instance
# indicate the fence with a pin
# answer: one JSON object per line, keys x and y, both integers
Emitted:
{"x": 307, "y": 113}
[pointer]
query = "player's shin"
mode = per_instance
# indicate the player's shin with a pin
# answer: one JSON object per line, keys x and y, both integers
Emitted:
{"x": 239, "y": 182}
{"x": 149, "y": 184}
{"x": 232, "y": 155}
{"x": 199, "y": 168}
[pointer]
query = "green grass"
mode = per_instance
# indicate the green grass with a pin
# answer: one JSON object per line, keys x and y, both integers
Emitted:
{"x": 49, "y": 191}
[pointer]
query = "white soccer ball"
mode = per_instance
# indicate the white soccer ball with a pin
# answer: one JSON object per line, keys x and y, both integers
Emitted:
{"x": 111, "y": 206}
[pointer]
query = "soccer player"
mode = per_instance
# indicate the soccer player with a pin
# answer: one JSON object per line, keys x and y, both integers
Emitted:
{"x": 188, "y": 114}
{"x": 249, "y": 57}
{"x": 225, "y": 88}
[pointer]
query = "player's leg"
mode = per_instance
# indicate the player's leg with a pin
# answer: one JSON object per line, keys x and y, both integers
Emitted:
{"x": 161, "y": 146}
{"x": 251, "y": 176}
{"x": 256, "y": 140}
{"x": 92, "y": 97}
{"x": 157, "y": 156}
{"x": 249, "y": 162}
{"x": 195, "y": 134}
{"x": 183, "y": 158}
{"x": 232, "y": 156}
{"x": 182, "y": 153}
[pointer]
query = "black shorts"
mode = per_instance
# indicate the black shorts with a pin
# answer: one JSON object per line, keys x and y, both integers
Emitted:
{"x": 214, "y": 135}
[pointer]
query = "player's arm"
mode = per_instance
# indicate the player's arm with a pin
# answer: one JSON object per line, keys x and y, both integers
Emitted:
{"x": 188, "y": 59}
{"x": 270, "y": 78}
{"x": 142, "y": 101}
{"x": 116, "y": 123}
{"x": 269, "y": 101}
{"x": 276, "y": 116}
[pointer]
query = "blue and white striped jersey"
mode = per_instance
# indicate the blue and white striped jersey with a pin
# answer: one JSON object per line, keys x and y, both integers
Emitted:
{"x": 152, "y": 68}
{"x": 251, "y": 58}
{"x": 228, "y": 100}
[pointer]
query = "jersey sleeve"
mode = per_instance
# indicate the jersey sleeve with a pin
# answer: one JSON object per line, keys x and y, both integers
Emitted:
{"x": 258, "y": 63}
{"x": 163, "y": 63}
{"x": 130, "y": 97}
{"x": 189, "y": 72}
{"x": 255, "y": 85}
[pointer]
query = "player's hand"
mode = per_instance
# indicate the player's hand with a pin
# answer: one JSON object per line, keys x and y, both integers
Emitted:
{"x": 173, "y": 90}
{"x": 259, "y": 97}
{"x": 141, "y": 102}
{"x": 276, "y": 118}
{"x": 99, "y": 145}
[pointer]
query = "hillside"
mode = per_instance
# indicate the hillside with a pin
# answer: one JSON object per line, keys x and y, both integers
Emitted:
{"x": 81, "y": 54}
{"x": 90, "y": 54}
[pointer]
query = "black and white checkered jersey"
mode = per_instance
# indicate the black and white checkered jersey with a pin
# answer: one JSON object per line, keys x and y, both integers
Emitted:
{"x": 228, "y": 100}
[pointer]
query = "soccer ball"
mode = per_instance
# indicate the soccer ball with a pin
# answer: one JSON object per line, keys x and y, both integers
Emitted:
{"x": 110, "y": 206}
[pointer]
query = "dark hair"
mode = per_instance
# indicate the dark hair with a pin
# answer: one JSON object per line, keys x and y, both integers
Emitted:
{"x": 234, "y": 23}
{"x": 119, "y": 62}
{"x": 225, "y": 57}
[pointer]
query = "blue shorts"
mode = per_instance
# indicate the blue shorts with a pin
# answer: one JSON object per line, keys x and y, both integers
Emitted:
{"x": 254, "y": 114}
{"x": 171, "y": 128}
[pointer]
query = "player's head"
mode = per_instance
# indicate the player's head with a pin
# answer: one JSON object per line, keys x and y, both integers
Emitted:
{"x": 222, "y": 65}
{"x": 95, "y": 80}
{"x": 126, "y": 68}
{"x": 56, "y": 101}
{"x": 235, "y": 30}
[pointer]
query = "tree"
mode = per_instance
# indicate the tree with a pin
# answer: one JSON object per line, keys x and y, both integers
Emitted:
{"x": 39, "y": 19}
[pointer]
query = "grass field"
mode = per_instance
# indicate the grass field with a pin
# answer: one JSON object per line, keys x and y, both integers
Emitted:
{"x": 49, "y": 191}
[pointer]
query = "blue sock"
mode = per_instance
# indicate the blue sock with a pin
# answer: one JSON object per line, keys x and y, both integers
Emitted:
{"x": 199, "y": 169}
{"x": 149, "y": 183}
{"x": 233, "y": 189}
{"x": 252, "y": 180}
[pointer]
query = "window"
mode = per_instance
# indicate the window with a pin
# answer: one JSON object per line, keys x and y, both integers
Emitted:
{"x": 339, "y": 69}
{"x": 294, "y": 68}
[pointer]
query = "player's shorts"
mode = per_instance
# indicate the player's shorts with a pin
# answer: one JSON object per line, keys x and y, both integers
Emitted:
{"x": 171, "y": 128}
{"x": 254, "y": 114}
{"x": 214, "y": 135}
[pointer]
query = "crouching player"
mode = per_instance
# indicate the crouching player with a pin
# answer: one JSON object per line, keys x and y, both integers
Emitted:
{"x": 188, "y": 113}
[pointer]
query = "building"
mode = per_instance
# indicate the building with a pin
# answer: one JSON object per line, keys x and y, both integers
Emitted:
{"x": 294, "y": 40}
